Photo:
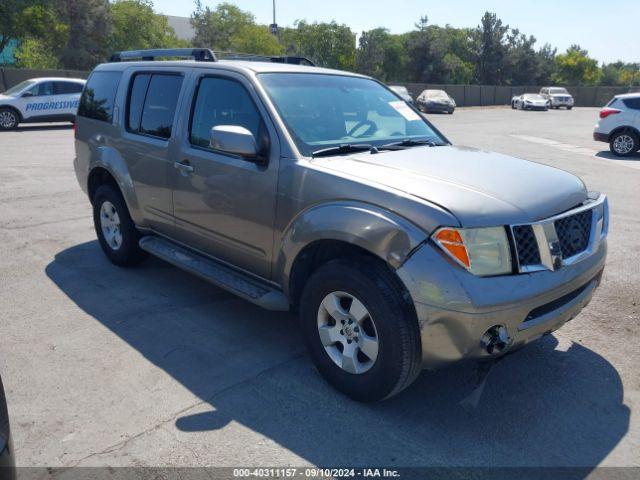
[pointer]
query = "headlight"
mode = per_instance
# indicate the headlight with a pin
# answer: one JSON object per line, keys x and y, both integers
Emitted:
{"x": 482, "y": 251}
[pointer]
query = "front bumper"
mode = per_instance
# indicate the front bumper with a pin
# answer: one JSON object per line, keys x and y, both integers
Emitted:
{"x": 455, "y": 308}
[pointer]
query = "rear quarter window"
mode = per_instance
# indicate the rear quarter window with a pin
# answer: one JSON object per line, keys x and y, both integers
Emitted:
{"x": 99, "y": 95}
{"x": 632, "y": 103}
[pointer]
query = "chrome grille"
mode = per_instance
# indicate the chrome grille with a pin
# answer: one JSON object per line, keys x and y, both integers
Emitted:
{"x": 526, "y": 245}
{"x": 573, "y": 233}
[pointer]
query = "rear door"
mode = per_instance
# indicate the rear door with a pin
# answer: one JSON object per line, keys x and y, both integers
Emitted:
{"x": 152, "y": 99}
{"x": 224, "y": 205}
{"x": 67, "y": 95}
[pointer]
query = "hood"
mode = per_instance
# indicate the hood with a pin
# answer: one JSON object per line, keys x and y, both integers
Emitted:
{"x": 6, "y": 97}
{"x": 559, "y": 94}
{"x": 480, "y": 188}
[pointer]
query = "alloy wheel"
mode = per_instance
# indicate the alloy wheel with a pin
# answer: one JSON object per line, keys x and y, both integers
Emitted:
{"x": 623, "y": 144}
{"x": 110, "y": 225}
{"x": 347, "y": 332}
{"x": 8, "y": 119}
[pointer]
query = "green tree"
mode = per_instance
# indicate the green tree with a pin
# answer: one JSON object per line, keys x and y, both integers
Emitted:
{"x": 90, "y": 27}
{"x": 418, "y": 47}
{"x": 576, "y": 68}
{"x": 546, "y": 65}
{"x": 34, "y": 53}
{"x": 490, "y": 38}
{"x": 137, "y": 26}
{"x": 256, "y": 39}
{"x": 219, "y": 27}
{"x": 520, "y": 61}
{"x": 328, "y": 44}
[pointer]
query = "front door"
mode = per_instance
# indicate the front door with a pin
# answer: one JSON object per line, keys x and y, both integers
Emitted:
{"x": 224, "y": 205}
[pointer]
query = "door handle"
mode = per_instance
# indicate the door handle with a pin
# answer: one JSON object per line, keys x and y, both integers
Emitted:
{"x": 185, "y": 167}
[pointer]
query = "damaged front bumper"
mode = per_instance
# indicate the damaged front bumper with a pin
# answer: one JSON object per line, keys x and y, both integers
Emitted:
{"x": 459, "y": 312}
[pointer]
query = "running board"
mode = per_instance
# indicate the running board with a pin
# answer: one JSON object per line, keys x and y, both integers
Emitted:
{"x": 220, "y": 275}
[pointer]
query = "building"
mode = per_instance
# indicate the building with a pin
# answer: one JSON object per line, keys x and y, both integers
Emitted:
{"x": 182, "y": 27}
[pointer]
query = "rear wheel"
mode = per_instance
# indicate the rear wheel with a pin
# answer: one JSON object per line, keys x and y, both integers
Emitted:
{"x": 624, "y": 144}
{"x": 116, "y": 231}
{"x": 360, "y": 331}
{"x": 9, "y": 118}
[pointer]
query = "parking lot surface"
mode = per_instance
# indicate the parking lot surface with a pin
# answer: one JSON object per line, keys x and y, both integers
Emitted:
{"x": 152, "y": 366}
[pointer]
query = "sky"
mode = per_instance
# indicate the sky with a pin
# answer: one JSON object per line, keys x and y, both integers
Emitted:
{"x": 597, "y": 26}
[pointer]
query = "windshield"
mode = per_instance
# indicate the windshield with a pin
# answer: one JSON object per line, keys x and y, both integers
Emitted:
{"x": 558, "y": 90}
{"x": 400, "y": 89}
{"x": 436, "y": 94}
{"x": 19, "y": 87}
{"x": 533, "y": 96}
{"x": 322, "y": 111}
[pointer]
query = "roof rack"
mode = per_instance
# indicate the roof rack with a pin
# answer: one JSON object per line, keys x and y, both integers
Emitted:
{"x": 252, "y": 57}
{"x": 198, "y": 54}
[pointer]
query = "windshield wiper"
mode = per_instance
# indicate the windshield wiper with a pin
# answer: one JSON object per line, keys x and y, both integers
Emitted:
{"x": 342, "y": 148}
{"x": 409, "y": 142}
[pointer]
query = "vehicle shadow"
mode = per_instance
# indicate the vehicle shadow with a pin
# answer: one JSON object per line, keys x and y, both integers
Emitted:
{"x": 542, "y": 406}
{"x": 610, "y": 156}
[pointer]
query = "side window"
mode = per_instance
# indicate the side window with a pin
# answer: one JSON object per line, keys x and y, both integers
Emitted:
{"x": 98, "y": 96}
{"x": 222, "y": 101}
{"x": 152, "y": 103}
{"x": 42, "y": 89}
{"x": 67, "y": 88}
{"x": 633, "y": 103}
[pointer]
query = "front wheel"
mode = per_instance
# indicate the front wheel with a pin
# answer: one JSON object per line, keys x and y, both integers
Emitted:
{"x": 116, "y": 231}
{"x": 624, "y": 144}
{"x": 569, "y": 108}
{"x": 360, "y": 331}
{"x": 8, "y": 119}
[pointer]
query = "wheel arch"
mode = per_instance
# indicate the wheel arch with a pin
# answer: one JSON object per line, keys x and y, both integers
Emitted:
{"x": 14, "y": 109}
{"x": 342, "y": 230}
{"x": 104, "y": 173}
{"x": 625, "y": 128}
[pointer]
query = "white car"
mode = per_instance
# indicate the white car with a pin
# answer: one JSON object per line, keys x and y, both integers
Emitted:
{"x": 530, "y": 101}
{"x": 40, "y": 100}
{"x": 619, "y": 124}
{"x": 558, "y": 97}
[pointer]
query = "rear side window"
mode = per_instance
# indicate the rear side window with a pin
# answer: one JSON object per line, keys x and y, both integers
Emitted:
{"x": 98, "y": 96}
{"x": 633, "y": 103}
{"x": 222, "y": 101}
{"x": 67, "y": 88}
{"x": 152, "y": 103}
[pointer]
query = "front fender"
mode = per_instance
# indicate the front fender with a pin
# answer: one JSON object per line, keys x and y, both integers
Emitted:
{"x": 379, "y": 231}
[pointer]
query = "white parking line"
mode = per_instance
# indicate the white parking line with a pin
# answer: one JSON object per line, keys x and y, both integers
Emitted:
{"x": 590, "y": 152}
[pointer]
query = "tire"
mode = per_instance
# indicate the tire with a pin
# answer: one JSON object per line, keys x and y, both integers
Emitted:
{"x": 121, "y": 244}
{"x": 569, "y": 108}
{"x": 623, "y": 144}
{"x": 9, "y": 118}
{"x": 513, "y": 106}
{"x": 397, "y": 359}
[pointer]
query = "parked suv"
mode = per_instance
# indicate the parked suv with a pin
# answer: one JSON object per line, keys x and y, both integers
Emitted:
{"x": 40, "y": 100}
{"x": 619, "y": 125}
{"x": 321, "y": 191}
{"x": 557, "y": 97}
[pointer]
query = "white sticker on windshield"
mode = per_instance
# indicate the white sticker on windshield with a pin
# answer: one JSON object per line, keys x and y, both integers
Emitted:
{"x": 405, "y": 110}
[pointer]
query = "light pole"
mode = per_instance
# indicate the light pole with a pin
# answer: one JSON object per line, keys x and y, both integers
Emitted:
{"x": 274, "y": 25}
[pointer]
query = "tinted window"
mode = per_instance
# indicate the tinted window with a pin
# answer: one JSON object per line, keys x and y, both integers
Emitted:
{"x": 136, "y": 100}
{"x": 223, "y": 102}
{"x": 633, "y": 103}
{"x": 67, "y": 88}
{"x": 98, "y": 96}
{"x": 159, "y": 104}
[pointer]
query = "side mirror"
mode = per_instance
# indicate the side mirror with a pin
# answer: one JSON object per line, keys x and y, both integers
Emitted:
{"x": 234, "y": 139}
{"x": 27, "y": 94}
